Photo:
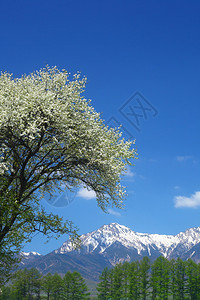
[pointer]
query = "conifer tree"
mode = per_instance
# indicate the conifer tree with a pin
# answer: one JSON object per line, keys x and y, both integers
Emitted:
{"x": 112, "y": 290}
{"x": 104, "y": 286}
{"x": 144, "y": 277}
{"x": 125, "y": 280}
{"x": 117, "y": 282}
{"x": 67, "y": 282}
{"x": 134, "y": 280}
{"x": 180, "y": 279}
{"x": 34, "y": 283}
{"x": 26, "y": 284}
{"x": 20, "y": 284}
{"x": 192, "y": 279}
{"x": 198, "y": 281}
{"x": 160, "y": 278}
{"x": 172, "y": 283}
{"x": 47, "y": 285}
{"x": 6, "y": 293}
{"x": 79, "y": 290}
{"x": 57, "y": 287}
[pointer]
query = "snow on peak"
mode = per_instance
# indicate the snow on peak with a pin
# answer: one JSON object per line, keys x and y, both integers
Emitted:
{"x": 31, "y": 253}
{"x": 102, "y": 238}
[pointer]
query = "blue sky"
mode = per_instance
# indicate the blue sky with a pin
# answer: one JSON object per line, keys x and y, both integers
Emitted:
{"x": 129, "y": 50}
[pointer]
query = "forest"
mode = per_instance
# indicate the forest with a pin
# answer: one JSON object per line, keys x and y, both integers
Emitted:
{"x": 162, "y": 279}
{"x": 138, "y": 280}
{"x": 29, "y": 285}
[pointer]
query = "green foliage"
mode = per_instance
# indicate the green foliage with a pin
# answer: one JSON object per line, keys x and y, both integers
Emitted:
{"x": 29, "y": 285}
{"x": 47, "y": 285}
{"x": 180, "y": 279}
{"x": 125, "y": 281}
{"x": 104, "y": 285}
{"x": 142, "y": 280}
{"x": 26, "y": 285}
{"x": 67, "y": 281}
{"x": 51, "y": 137}
{"x": 134, "y": 280}
{"x": 160, "y": 278}
{"x": 193, "y": 277}
{"x": 144, "y": 268}
{"x": 125, "y": 274}
{"x": 78, "y": 289}
{"x": 117, "y": 282}
{"x": 6, "y": 293}
{"x": 57, "y": 287}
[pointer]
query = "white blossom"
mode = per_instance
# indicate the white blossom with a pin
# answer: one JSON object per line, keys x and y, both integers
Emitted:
{"x": 51, "y": 122}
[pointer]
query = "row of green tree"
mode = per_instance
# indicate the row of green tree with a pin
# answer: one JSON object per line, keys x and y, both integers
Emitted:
{"x": 162, "y": 279}
{"x": 29, "y": 285}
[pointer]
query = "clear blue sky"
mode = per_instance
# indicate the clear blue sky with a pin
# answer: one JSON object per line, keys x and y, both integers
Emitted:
{"x": 124, "y": 47}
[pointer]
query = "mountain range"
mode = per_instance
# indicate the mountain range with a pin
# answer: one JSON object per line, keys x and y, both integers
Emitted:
{"x": 112, "y": 244}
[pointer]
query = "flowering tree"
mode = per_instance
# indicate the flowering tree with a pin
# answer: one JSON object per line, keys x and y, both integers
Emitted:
{"x": 50, "y": 135}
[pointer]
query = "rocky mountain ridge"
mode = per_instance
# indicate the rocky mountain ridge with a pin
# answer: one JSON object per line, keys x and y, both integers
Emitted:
{"x": 111, "y": 244}
{"x": 101, "y": 239}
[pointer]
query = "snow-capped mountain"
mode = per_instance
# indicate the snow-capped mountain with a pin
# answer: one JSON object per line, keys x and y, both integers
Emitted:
{"x": 31, "y": 253}
{"x": 27, "y": 257}
{"x": 113, "y": 236}
{"x": 111, "y": 244}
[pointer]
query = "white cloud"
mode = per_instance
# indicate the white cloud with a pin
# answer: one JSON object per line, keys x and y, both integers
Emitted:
{"x": 177, "y": 187}
{"x": 86, "y": 194}
{"x": 183, "y": 158}
{"x": 113, "y": 212}
{"x": 129, "y": 173}
{"x": 193, "y": 201}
